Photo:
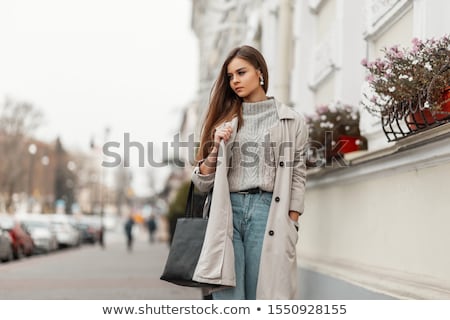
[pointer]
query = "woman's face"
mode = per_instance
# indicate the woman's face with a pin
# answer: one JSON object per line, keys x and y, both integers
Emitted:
{"x": 244, "y": 80}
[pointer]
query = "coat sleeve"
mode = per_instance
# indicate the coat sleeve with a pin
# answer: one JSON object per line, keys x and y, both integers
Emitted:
{"x": 299, "y": 170}
{"x": 203, "y": 182}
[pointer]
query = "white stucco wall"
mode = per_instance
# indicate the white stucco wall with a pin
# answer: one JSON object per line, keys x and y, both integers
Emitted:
{"x": 388, "y": 230}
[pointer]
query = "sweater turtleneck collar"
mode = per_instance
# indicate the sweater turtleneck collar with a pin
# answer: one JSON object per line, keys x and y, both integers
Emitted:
{"x": 251, "y": 108}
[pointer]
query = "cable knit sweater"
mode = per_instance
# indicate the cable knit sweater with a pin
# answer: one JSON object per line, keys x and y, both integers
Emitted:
{"x": 252, "y": 161}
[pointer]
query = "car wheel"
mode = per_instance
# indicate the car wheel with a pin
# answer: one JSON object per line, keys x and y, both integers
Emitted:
{"x": 19, "y": 254}
{"x": 28, "y": 253}
{"x": 10, "y": 256}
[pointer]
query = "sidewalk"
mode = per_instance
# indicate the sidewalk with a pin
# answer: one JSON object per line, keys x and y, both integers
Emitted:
{"x": 144, "y": 265}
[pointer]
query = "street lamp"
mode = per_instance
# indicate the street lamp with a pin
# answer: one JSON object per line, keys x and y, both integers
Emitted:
{"x": 102, "y": 192}
{"x": 32, "y": 150}
{"x": 72, "y": 166}
{"x": 70, "y": 184}
{"x": 45, "y": 161}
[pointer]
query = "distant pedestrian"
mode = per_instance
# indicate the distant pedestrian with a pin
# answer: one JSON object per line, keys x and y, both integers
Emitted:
{"x": 101, "y": 236}
{"x": 129, "y": 232}
{"x": 151, "y": 225}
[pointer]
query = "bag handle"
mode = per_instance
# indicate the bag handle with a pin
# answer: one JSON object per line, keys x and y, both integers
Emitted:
{"x": 188, "y": 211}
{"x": 190, "y": 200}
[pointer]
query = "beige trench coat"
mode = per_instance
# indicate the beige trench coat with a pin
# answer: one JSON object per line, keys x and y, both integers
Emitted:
{"x": 278, "y": 267}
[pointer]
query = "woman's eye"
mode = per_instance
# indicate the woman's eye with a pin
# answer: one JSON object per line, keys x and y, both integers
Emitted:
{"x": 241, "y": 73}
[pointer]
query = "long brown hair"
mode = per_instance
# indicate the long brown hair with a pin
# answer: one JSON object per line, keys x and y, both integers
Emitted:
{"x": 224, "y": 104}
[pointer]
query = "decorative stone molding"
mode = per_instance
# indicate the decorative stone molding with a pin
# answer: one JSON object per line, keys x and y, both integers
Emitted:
{"x": 382, "y": 13}
{"x": 253, "y": 25}
{"x": 378, "y": 8}
{"x": 315, "y": 5}
{"x": 324, "y": 59}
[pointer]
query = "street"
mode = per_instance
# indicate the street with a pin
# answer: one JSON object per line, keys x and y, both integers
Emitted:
{"x": 90, "y": 272}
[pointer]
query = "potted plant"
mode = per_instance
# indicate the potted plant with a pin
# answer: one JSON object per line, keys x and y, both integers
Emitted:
{"x": 410, "y": 87}
{"x": 334, "y": 131}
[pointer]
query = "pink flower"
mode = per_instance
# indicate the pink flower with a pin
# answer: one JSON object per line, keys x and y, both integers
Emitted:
{"x": 415, "y": 41}
{"x": 399, "y": 55}
{"x": 380, "y": 64}
{"x": 394, "y": 50}
{"x": 416, "y": 44}
{"x": 370, "y": 78}
{"x": 322, "y": 109}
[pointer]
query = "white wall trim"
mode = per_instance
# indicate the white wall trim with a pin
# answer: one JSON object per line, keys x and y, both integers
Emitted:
{"x": 398, "y": 284}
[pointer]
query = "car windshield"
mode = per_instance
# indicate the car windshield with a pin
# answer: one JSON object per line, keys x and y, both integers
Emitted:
{"x": 36, "y": 224}
{"x": 6, "y": 223}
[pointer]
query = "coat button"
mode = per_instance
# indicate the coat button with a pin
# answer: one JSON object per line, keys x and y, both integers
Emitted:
{"x": 281, "y": 164}
{"x": 271, "y": 233}
{"x": 277, "y": 199}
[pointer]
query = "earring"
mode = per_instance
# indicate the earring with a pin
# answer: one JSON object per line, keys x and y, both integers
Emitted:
{"x": 261, "y": 80}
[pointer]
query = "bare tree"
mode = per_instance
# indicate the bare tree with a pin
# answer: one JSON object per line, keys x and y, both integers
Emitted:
{"x": 18, "y": 120}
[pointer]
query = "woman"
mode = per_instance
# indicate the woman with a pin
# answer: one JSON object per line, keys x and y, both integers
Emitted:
{"x": 251, "y": 152}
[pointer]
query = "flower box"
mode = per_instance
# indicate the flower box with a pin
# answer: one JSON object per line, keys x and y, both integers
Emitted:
{"x": 333, "y": 131}
{"x": 409, "y": 87}
{"x": 351, "y": 143}
{"x": 422, "y": 118}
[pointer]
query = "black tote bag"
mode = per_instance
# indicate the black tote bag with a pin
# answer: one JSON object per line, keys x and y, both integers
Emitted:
{"x": 187, "y": 244}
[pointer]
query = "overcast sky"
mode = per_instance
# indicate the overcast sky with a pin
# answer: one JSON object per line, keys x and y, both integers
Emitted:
{"x": 89, "y": 64}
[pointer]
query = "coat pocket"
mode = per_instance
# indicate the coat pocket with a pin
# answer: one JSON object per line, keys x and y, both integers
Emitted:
{"x": 293, "y": 227}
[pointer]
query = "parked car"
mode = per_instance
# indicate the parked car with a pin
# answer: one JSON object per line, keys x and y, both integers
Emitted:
{"x": 22, "y": 243}
{"x": 6, "y": 251}
{"x": 42, "y": 232}
{"x": 66, "y": 234}
{"x": 90, "y": 228}
{"x": 88, "y": 233}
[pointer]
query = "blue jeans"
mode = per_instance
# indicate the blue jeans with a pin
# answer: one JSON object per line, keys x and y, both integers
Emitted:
{"x": 250, "y": 212}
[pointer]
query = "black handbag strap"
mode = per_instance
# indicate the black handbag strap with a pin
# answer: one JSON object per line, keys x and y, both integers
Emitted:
{"x": 189, "y": 210}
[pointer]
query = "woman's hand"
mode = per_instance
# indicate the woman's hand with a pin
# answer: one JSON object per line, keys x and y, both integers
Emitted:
{"x": 294, "y": 215}
{"x": 224, "y": 132}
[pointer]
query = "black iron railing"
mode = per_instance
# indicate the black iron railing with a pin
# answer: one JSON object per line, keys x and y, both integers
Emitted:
{"x": 412, "y": 117}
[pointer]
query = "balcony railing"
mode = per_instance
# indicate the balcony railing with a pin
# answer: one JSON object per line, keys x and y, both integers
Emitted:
{"x": 413, "y": 116}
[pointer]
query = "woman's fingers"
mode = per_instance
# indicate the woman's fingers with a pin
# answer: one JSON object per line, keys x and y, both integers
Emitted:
{"x": 223, "y": 133}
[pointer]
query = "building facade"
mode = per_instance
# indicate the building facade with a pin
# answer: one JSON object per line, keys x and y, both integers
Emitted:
{"x": 376, "y": 227}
